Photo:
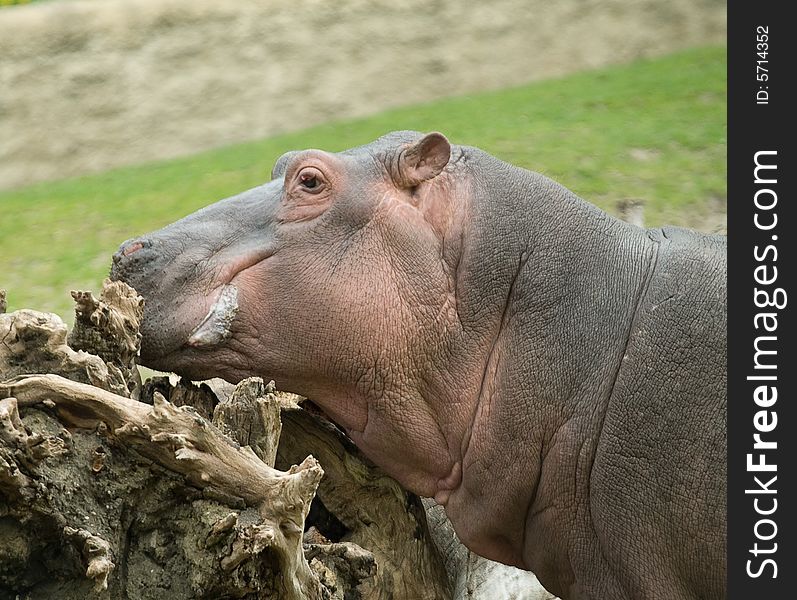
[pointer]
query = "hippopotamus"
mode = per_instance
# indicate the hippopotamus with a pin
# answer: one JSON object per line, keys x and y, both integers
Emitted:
{"x": 554, "y": 376}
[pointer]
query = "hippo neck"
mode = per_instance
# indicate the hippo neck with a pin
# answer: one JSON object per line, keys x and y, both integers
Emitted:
{"x": 564, "y": 290}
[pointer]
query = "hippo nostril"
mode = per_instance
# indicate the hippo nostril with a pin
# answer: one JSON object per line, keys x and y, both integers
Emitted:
{"x": 132, "y": 248}
{"x": 129, "y": 247}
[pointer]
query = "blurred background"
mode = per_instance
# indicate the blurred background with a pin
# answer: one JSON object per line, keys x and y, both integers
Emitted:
{"x": 120, "y": 116}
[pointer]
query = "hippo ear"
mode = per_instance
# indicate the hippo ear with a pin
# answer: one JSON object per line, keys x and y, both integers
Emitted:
{"x": 422, "y": 161}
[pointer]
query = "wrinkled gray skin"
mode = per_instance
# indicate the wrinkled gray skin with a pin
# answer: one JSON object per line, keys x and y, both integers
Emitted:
{"x": 554, "y": 376}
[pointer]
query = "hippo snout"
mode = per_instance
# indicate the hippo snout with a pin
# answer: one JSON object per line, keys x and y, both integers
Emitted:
{"x": 134, "y": 262}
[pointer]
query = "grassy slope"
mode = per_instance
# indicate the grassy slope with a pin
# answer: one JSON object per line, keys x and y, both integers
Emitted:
{"x": 654, "y": 130}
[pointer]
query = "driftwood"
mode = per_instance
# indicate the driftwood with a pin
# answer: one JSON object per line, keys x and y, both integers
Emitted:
{"x": 186, "y": 444}
{"x": 106, "y": 496}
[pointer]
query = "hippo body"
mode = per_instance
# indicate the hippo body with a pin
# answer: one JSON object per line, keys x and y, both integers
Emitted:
{"x": 554, "y": 376}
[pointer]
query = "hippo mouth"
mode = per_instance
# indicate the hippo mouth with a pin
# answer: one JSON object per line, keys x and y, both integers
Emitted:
{"x": 216, "y": 327}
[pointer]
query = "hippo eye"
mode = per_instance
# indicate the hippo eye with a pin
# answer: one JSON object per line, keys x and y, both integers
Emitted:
{"x": 310, "y": 180}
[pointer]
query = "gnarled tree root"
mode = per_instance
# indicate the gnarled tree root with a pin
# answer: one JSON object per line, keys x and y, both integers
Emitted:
{"x": 183, "y": 442}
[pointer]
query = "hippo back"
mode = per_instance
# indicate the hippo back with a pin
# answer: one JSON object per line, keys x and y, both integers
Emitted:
{"x": 662, "y": 447}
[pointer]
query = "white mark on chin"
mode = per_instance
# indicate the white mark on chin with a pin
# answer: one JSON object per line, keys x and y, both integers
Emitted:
{"x": 217, "y": 324}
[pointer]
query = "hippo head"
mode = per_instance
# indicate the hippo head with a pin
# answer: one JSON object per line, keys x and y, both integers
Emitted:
{"x": 336, "y": 279}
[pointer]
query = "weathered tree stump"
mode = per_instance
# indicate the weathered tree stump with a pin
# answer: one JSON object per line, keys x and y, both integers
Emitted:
{"x": 106, "y": 496}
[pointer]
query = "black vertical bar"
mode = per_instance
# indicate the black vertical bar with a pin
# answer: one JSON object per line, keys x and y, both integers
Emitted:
{"x": 762, "y": 113}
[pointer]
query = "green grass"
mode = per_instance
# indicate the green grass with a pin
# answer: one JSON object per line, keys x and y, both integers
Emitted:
{"x": 654, "y": 130}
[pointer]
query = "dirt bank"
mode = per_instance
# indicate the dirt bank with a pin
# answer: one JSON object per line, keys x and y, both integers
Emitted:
{"x": 87, "y": 85}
